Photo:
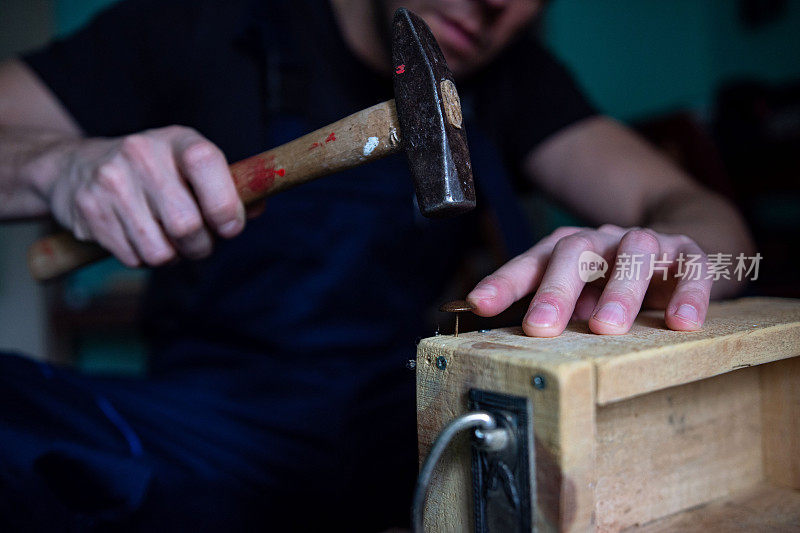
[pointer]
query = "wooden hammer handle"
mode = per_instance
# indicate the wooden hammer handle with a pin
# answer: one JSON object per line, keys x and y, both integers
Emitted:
{"x": 365, "y": 136}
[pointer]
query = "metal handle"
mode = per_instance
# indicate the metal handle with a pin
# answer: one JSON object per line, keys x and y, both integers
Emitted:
{"x": 488, "y": 436}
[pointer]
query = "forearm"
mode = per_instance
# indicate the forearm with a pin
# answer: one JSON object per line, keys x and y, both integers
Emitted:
{"x": 711, "y": 221}
{"x": 28, "y": 169}
{"x": 606, "y": 173}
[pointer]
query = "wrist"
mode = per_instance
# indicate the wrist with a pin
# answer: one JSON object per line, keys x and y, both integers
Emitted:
{"x": 44, "y": 164}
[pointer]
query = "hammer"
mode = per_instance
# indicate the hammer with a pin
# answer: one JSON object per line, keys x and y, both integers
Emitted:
{"x": 424, "y": 119}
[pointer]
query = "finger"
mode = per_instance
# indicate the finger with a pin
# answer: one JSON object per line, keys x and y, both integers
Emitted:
{"x": 97, "y": 221}
{"x": 587, "y": 301}
{"x": 204, "y": 167}
{"x": 614, "y": 230}
{"x": 623, "y": 295}
{"x": 167, "y": 195}
{"x": 561, "y": 285}
{"x": 183, "y": 223}
{"x": 687, "y": 308}
{"x": 144, "y": 233}
{"x": 120, "y": 190}
{"x": 517, "y": 278}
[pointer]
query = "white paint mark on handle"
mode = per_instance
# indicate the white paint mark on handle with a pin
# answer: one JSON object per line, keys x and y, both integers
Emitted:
{"x": 372, "y": 143}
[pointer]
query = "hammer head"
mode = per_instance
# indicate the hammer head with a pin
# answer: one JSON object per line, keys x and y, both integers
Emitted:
{"x": 429, "y": 112}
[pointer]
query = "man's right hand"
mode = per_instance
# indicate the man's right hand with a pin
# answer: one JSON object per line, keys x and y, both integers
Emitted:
{"x": 147, "y": 197}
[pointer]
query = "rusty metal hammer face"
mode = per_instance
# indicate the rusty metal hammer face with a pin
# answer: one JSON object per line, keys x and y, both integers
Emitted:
{"x": 431, "y": 122}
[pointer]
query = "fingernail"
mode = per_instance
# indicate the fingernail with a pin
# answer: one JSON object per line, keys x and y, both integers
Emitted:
{"x": 482, "y": 292}
{"x": 688, "y": 312}
{"x": 542, "y": 315}
{"x": 229, "y": 229}
{"x": 611, "y": 313}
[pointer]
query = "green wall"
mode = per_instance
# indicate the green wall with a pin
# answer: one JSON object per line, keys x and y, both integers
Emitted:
{"x": 72, "y": 14}
{"x": 639, "y": 57}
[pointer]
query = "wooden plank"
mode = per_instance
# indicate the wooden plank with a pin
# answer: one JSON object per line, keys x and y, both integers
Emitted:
{"x": 563, "y": 421}
{"x": 677, "y": 448}
{"x": 780, "y": 402}
{"x": 764, "y": 508}
{"x": 737, "y": 334}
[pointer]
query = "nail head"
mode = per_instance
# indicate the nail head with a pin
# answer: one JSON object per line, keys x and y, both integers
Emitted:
{"x": 456, "y": 306}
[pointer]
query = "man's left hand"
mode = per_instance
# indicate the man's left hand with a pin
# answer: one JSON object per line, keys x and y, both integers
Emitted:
{"x": 552, "y": 269}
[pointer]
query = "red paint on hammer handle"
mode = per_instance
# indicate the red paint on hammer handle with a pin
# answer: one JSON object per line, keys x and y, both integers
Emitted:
{"x": 261, "y": 172}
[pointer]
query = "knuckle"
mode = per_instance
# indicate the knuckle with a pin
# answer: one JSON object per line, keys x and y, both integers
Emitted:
{"x": 685, "y": 240}
{"x": 642, "y": 239}
{"x": 177, "y": 130}
{"x": 181, "y": 224}
{"x": 86, "y": 204}
{"x": 111, "y": 177}
{"x": 555, "y": 294}
{"x": 563, "y": 231}
{"x": 626, "y": 293}
{"x": 576, "y": 242}
{"x": 609, "y": 228}
{"x": 200, "y": 154}
{"x": 137, "y": 146}
{"x": 223, "y": 210}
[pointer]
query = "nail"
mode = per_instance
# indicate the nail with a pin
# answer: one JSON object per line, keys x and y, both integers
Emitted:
{"x": 542, "y": 315}
{"x": 231, "y": 228}
{"x": 483, "y": 292}
{"x": 611, "y": 313}
{"x": 688, "y": 312}
{"x": 456, "y": 306}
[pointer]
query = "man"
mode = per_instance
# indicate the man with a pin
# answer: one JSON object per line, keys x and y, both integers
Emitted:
{"x": 277, "y": 393}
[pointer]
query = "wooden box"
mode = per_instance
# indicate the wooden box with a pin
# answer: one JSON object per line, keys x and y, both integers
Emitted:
{"x": 655, "y": 430}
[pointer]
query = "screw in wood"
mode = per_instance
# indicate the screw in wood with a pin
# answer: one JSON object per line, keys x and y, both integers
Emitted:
{"x": 456, "y": 306}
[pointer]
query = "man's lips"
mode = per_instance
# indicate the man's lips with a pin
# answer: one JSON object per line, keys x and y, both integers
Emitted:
{"x": 456, "y": 36}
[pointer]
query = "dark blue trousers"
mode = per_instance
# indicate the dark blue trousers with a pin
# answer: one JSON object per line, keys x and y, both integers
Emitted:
{"x": 256, "y": 446}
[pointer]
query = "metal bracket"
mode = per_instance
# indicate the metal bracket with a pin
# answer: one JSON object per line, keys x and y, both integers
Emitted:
{"x": 501, "y": 481}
